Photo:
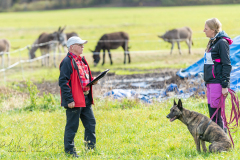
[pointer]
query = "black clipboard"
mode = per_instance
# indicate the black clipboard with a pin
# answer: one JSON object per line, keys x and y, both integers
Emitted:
{"x": 101, "y": 75}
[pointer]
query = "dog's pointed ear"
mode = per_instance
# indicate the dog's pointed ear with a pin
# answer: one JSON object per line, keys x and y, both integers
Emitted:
{"x": 174, "y": 103}
{"x": 180, "y": 104}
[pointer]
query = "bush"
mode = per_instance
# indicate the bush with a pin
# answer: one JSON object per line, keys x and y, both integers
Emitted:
{"x": 48, "y": 102}
{"x": 45, "y": 103}
{"x": 33, "y": 93}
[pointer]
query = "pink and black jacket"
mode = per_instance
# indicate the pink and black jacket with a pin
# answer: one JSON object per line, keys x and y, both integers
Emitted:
{"x": 217, "y": 64}
{"x": 70, "y": 85}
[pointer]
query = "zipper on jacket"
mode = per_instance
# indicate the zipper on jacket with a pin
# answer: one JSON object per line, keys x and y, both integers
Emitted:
{"x": 213, "y": 71}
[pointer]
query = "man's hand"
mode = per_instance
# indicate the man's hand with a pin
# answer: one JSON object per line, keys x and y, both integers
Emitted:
{"x": 225, "y": 91}
{"x": 71, "y": 105}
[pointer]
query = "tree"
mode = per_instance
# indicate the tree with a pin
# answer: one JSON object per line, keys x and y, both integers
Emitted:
{"x": 5, "y": 4}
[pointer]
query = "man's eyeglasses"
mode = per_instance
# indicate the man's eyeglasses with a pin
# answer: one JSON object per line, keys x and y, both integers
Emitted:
{"x": 81, "y": 45}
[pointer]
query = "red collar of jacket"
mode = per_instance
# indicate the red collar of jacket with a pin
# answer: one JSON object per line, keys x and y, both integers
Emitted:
{"x": 75, "y": 56}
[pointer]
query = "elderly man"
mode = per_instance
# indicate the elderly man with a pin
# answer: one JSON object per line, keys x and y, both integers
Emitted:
{"x": 76, "y": 96}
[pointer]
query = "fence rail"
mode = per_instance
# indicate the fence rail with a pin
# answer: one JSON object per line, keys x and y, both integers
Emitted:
{"x": 22, "y": 61}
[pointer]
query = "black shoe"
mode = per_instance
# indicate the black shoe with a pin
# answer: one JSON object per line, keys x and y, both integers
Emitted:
{"x": 75, "y": 155}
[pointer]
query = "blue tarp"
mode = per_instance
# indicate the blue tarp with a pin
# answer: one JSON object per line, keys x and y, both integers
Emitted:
{"x": 197, "y": 68}
{"x": 193, "y": 73}
{"x": 149, "y": 94}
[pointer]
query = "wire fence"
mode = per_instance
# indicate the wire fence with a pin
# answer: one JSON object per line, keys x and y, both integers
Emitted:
{"x": 20, "y": 60}
{"x": 23, "y": 61}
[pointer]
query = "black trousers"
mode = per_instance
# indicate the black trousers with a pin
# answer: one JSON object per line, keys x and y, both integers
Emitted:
{"x": 73, "y": 116}
{"x": 217, "y": 115}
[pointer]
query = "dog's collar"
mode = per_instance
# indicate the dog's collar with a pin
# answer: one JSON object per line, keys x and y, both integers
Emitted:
{"x": 208, "y": 124}
{"x": 201, "y": 136}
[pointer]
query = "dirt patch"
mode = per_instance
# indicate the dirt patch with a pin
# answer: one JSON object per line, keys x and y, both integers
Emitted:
{"x": 53, "y": 88}
{"x": 156, "y": 79}
{"x": 7, "y": 91}
{"x": 112, "y": 81}
{"x": 48, "y": 87}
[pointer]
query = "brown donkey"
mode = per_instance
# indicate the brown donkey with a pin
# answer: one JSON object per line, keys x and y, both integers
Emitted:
{"x": 48, "y": 47}
{"x": 111, "y": 41}
{"x": 65, "y": 50}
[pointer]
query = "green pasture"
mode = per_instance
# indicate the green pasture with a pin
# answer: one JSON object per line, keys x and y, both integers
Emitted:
{"x": 32, "y": 127}
{"x": 126, "y": 129}
{"x": 143, "y": 24}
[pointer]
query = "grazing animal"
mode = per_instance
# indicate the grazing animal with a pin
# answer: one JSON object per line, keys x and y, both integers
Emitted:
{"x": 202, "y": 128}
{"x": 178, "y": 35}
{"x": 111, "y": 41}
{"x": 68, "y": 35}
{"x": 71, "y": 34}
{"x": 47, "y": 48}
{"x": 4, "y": 47}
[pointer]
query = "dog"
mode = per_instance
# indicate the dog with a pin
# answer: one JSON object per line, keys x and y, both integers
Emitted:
{"x": 202, "y": 129}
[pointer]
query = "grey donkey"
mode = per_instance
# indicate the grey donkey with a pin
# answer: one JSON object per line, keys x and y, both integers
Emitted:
{"x": 178, "y": 35}
{"x": 4, "y": 49}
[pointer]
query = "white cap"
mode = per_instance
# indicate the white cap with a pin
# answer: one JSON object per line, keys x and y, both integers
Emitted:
{"x": 75, "y": 40}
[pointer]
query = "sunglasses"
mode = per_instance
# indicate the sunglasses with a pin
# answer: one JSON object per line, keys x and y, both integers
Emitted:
{"x": 81, "y": 45}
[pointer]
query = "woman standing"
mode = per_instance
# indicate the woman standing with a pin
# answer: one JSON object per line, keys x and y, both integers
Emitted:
{"x": 217, "y": 67}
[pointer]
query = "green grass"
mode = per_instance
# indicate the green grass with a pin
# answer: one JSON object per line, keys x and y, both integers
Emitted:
{"x": 125, "y": 130}
{"x": 143, "y": 24}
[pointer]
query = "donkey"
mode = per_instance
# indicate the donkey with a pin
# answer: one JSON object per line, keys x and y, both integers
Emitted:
{"x": 111, "y": 41}
{"x": 178, "y": 35}
{"x": 46, "y": 48}
{"x": 71, "y": 34}
{"x": 4, "y": 49}
{"x": 65, "y": 50}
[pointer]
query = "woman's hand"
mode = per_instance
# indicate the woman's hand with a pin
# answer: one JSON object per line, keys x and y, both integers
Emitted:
{"x": 225, "y": 91}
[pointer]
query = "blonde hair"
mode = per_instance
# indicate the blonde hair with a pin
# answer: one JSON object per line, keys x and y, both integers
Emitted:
{"x": 214, "y": 24}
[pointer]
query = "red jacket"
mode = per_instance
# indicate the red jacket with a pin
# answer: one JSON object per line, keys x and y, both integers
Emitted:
{"x": 70, "y": 85}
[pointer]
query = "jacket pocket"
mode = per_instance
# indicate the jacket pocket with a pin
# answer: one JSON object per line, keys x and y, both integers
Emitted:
{"x": 209, "y": 72}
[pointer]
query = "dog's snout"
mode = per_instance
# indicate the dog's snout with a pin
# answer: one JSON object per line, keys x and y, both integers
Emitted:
{"x": 167, "y": 116}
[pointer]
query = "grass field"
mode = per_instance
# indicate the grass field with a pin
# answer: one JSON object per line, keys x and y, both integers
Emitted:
{"x": 143, "y": 24}
{"x": 125, "y": 130}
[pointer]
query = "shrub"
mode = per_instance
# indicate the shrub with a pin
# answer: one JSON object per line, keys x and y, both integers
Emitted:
{"x": 33, "y": 93}
{"x": 47, "y": 102}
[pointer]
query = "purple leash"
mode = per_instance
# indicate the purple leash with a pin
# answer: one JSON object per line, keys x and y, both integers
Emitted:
{"x": 235, "y": 112}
